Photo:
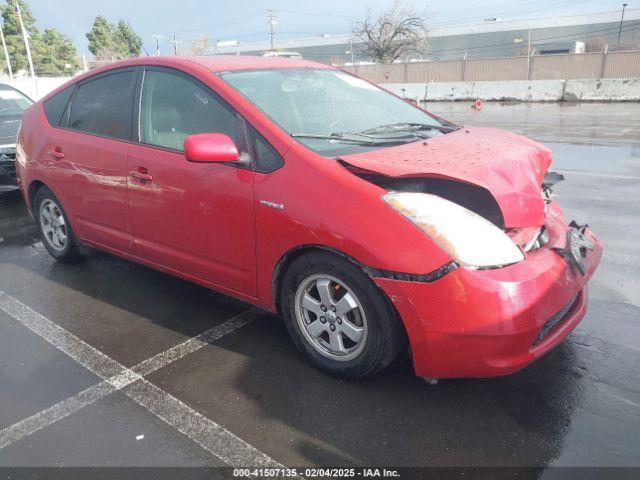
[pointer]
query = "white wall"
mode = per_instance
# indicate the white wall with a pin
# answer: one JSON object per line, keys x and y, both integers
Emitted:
{"x": 36, "y": 88}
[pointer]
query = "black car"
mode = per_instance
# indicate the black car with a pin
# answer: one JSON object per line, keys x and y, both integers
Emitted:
{"x": 12, "y": 104}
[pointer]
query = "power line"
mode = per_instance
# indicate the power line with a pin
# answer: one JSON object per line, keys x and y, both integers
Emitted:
{"x": 313, "y": 14}
{"x": 538, "y": 42}
{"x": 544, "y": 39}
{"x": 231, "y": 21}
{"x": 490, "y": 47}
{"x": 511, "y": 12}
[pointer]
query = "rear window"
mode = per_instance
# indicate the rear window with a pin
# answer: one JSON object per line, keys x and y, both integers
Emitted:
{"x": 104, "y": 106}
{"x": 12, "y": 102}
{"x": 55, "y": 106}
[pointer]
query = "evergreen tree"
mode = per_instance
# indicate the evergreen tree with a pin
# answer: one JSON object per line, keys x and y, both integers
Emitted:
{"x": 55, "y": 54}
{"x": 128, "y": 39}
{"x": 100, "y": 38}
{"x": 110, "y": 42}
{"x": 13, "y": 33}
{"x": 52, "y": 53}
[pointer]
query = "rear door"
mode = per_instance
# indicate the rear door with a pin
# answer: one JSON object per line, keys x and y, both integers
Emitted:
{"x": 89, "y": 154}
{"x": 192, "y": 218}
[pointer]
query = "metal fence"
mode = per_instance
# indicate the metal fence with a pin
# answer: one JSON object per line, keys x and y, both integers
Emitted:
{"x": 538, "y": 67}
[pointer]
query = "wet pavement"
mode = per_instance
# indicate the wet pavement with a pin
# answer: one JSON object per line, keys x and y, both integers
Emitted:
{"x": 578, "y": 406}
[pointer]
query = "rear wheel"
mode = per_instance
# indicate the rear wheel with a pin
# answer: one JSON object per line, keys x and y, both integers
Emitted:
{"x": 337, "y": 317}
{"x": 57, "y": 234}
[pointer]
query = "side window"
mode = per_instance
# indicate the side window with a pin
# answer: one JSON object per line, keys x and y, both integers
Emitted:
{"x": 56, "y": 105}
{"x": 104, "y": 106}
{"x": 174, "y": 107}
{"x": 266, "y": 158}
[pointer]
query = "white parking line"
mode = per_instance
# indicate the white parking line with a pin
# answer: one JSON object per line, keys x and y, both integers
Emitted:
{"x": 624, "y": 399}
{"x": 83, "y": 353}
{"x": 205, "y": 432}
{"x": 623, "y": 256}
{"x": 57, "y": 412}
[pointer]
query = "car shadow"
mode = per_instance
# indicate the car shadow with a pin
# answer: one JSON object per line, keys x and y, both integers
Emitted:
{"x": 393, "y": 418}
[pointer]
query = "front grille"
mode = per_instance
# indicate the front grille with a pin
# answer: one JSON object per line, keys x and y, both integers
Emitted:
{"x": 8, "y": 163}
{"x": 554, "y": 321}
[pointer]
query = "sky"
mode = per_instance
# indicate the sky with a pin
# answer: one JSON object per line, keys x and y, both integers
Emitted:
{"x": 245, "y": 20}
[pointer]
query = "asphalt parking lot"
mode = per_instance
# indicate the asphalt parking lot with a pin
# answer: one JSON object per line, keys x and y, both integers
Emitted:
{"x": 99, "y": 364}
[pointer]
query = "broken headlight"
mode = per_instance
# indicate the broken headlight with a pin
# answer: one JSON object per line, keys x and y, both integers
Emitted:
{"x": 468, "y": 238}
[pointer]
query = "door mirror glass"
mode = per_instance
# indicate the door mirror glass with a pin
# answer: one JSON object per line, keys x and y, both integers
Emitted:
{"x": 210, "y": 148}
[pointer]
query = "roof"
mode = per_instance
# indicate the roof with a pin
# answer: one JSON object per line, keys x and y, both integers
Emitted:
{"x": 218, "y": 63}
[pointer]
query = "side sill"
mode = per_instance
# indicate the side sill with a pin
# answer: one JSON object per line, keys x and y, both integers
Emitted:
{"x": 411, "y": 277}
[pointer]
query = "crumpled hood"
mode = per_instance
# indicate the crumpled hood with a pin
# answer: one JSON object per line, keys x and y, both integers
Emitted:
{"x": 509, "y": 166}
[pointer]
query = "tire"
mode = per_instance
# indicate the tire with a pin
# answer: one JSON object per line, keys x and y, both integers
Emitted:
{"x": 55, "y": 229}
{"x": 369, "y": 330}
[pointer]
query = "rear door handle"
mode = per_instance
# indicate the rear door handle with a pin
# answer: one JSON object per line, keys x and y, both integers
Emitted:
{"x": 56, "y": 153}
{"x": 141, "y": 174}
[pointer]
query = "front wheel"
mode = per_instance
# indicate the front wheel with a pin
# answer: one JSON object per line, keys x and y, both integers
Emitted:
{"x": 337, "y": 317}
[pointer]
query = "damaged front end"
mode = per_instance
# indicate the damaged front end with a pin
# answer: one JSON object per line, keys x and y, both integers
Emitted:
{"x": 569, "y": 242}
{"x": 532, "y": 238}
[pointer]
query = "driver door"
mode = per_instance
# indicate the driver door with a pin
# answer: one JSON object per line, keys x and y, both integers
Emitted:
{"x": 195, "y": 219}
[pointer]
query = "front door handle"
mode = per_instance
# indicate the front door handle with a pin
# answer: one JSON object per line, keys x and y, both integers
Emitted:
{"x": 56, "y": 153}
{"x": 141, "y": 174}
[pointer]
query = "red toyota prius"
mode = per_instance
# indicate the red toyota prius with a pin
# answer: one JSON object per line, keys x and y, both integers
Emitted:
{"x": 367, "y": 223}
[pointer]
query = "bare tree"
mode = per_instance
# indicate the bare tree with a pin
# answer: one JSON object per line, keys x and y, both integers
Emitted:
{"x": 595, "y": 44}
{"x": 398, "y": 32}
{"x": 630, "y": 42}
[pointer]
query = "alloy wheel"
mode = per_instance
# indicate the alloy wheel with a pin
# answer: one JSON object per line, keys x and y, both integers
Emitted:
{"x": 53, "y": 225}
{"x": 331, "y": 317}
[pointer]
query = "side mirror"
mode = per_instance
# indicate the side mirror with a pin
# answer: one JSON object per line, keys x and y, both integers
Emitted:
{"x": 210, "y": 148}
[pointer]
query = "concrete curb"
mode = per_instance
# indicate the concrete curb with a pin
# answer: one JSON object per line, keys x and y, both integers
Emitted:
{"x": 610, "y": 89}
{"x": 605, "y": 90}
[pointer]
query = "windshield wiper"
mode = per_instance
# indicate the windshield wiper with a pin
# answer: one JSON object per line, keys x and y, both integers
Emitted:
{"x": 357, "y": 138}
{"x": 410, "y": 126}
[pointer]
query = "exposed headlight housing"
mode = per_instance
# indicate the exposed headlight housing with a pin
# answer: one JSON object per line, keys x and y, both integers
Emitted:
{"x": 471, "y": 240}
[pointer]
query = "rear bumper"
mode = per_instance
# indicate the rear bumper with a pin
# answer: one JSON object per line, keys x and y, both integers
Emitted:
{"x": 7, "y": 173}
{"x": 484, "y": 323}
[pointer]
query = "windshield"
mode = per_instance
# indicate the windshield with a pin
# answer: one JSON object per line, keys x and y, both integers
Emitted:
{"x": 13, "y": 102}
{"x": 332, "y": 112}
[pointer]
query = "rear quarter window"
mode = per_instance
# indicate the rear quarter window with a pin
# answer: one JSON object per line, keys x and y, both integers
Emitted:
{"x": 54, "y": 107}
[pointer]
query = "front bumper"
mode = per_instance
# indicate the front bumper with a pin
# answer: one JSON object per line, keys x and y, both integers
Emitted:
{"x": 485, "y": 323}
{"x": 8, "y": 172}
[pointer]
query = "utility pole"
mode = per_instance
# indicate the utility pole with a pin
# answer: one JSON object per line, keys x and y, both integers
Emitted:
{"x": 528, "y": 54}
{"x": 25, "y": 37}
{"x": 272, "y": 19}
{"x": 158, "y": 40}
{"x": 6, "y": 53}
{"x": 175, "y": 42}
{"x": 624, "y": 6}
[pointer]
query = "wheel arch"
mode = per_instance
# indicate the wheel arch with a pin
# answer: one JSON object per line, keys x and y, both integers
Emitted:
{"x": 290, "y": 256}
{"x": 34, "y": 186}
